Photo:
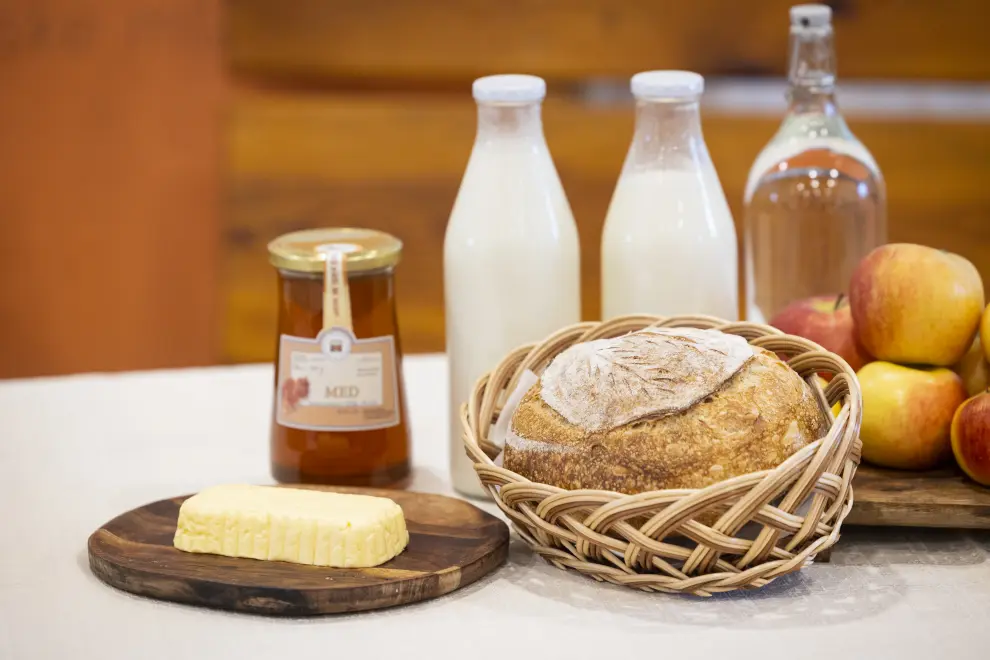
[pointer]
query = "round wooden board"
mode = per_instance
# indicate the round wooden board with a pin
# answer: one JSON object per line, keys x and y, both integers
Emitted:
{"x": 451, "y": 543}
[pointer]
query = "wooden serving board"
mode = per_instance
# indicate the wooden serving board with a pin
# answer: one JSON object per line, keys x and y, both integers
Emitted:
{"x": 940, "y": 498}
{"x": 451, "y": 544}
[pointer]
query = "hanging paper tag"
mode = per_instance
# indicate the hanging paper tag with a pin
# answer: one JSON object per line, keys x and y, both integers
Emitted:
{"x": 336, "y": 293}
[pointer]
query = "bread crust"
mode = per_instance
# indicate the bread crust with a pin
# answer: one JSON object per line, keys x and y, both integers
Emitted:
{"x": 754, "y": 421}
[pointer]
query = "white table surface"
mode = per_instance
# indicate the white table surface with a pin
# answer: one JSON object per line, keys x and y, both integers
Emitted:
{"x": 77, "y": 451}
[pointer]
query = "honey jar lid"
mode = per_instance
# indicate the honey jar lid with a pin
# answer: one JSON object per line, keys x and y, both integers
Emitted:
{"x": 305, "y": 251}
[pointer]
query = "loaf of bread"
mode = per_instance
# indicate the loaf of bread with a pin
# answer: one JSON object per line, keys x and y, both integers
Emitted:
{"x": 660, "y": 408}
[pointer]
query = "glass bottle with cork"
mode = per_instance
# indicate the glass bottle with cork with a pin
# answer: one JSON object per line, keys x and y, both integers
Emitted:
{"x": 339, "y": 413}
{"x": 815, "y": 200}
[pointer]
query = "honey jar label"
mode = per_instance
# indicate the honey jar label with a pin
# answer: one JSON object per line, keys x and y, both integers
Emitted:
{"x": 337, "y": 382}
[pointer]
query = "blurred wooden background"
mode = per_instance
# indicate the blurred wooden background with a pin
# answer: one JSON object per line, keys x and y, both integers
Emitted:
{"x": 146, "y": 160}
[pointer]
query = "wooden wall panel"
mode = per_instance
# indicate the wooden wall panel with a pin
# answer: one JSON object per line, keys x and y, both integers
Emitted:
{"x": 438, "y": 41}
{"x": 109, "y": 184}
{"x": 394, "y": 161}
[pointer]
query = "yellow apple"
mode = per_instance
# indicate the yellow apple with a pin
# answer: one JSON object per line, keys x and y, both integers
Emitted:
{"x": 974, "y": 370}
{"x": 907, "y": 414}
{"x": 985, "y": 331}
{"x": 971, "y": 438}
{"x": 822, "y": 383}
{"x": 916, "y": 305}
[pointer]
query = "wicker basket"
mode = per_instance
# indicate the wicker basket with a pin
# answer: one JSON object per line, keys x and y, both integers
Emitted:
{"x": 767, "y": 523}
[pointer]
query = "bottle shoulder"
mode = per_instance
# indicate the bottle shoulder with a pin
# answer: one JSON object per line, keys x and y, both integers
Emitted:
{"x": 506, "y": 182}
{"x": 808, "y": 135}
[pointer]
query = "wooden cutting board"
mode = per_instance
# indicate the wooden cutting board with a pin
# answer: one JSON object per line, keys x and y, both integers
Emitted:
{"x": 940, "y": 498}
{"x": 451, "y": 544}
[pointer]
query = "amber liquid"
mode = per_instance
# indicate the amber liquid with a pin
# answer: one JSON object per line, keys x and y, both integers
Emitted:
{"x": 378, "y": 457}
{"x": 808, "y": 224}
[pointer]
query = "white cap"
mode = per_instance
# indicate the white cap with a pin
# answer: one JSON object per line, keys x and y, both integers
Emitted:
{"x": 811, "y": 16}
{"x": 509, "y": 88}
{"x": 666, "y": 84}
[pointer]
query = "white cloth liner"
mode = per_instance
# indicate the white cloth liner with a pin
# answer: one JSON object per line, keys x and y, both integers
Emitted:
{"x": 501, "y": 431}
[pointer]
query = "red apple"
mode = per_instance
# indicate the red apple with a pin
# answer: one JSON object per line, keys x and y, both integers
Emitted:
{"x": 827, "y": 321}
{"x": 971, "y": 438}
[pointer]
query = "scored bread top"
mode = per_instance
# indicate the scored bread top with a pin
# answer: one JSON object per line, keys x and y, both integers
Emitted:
{"x": 603, "y": 384}
{"x": 731, "y": 421}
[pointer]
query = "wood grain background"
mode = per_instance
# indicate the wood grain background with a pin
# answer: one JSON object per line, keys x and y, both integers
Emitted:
{"x": 153, "y": 171}
{"x": 449, "y": 41}
{"x": 394, "y": 162}
{"x": 110, "y": 140}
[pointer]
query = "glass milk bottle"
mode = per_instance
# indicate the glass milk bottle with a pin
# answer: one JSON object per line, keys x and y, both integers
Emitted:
{"x": 510, "y": 254}
{"x": 815, "y": 200}
{"x": 669, "y": 243}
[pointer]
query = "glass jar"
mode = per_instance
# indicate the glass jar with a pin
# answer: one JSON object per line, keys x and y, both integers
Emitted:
{"x": 339, "y": 413}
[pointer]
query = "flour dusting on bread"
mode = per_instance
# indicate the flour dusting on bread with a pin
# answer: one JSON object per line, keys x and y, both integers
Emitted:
{"x": 602, "y": 385}
{"x": 717, "y": 413}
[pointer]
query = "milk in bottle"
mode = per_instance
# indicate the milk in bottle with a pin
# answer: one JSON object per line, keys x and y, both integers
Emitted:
{"x": 511, "y": 258}
{"x": 669, "y": 243}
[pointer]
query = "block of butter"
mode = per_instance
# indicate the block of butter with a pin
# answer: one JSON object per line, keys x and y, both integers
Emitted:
{"x": 292, "y": 524}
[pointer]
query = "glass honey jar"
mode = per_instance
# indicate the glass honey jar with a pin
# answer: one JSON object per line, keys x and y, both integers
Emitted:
{"x": 339, "y": 414}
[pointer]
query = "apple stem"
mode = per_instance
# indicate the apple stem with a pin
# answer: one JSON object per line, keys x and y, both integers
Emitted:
{"x": 838, "y": 301}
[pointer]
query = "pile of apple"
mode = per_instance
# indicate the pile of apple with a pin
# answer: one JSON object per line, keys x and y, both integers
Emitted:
{"x": 911, "y": 329}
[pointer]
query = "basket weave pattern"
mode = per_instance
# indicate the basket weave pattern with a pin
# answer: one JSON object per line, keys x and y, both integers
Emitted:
{"x": 656, "y": 541}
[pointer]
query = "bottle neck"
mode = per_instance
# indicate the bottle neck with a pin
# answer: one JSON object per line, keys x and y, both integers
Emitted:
{"x": 509, "y": 121}
{"x": 668, "y": 134}
{"x": 812, "y": 71}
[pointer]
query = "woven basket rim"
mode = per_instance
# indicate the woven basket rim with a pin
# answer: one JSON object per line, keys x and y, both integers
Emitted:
{"x": 542, "y": 529}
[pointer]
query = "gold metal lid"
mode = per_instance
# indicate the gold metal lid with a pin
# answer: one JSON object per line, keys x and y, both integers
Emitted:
{"x": 365, "y": 249}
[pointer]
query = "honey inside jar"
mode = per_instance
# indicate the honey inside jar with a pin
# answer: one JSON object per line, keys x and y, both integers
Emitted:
{"x": 339, "y": 414}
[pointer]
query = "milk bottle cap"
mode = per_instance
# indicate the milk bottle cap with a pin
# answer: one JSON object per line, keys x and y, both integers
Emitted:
{"x": 811, "y": 16}
{"x": 509, "y": 88}
{"x": 667, "y": 84}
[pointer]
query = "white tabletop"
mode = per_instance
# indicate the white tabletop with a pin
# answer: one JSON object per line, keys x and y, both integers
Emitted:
{"x": 77, "y": 451}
